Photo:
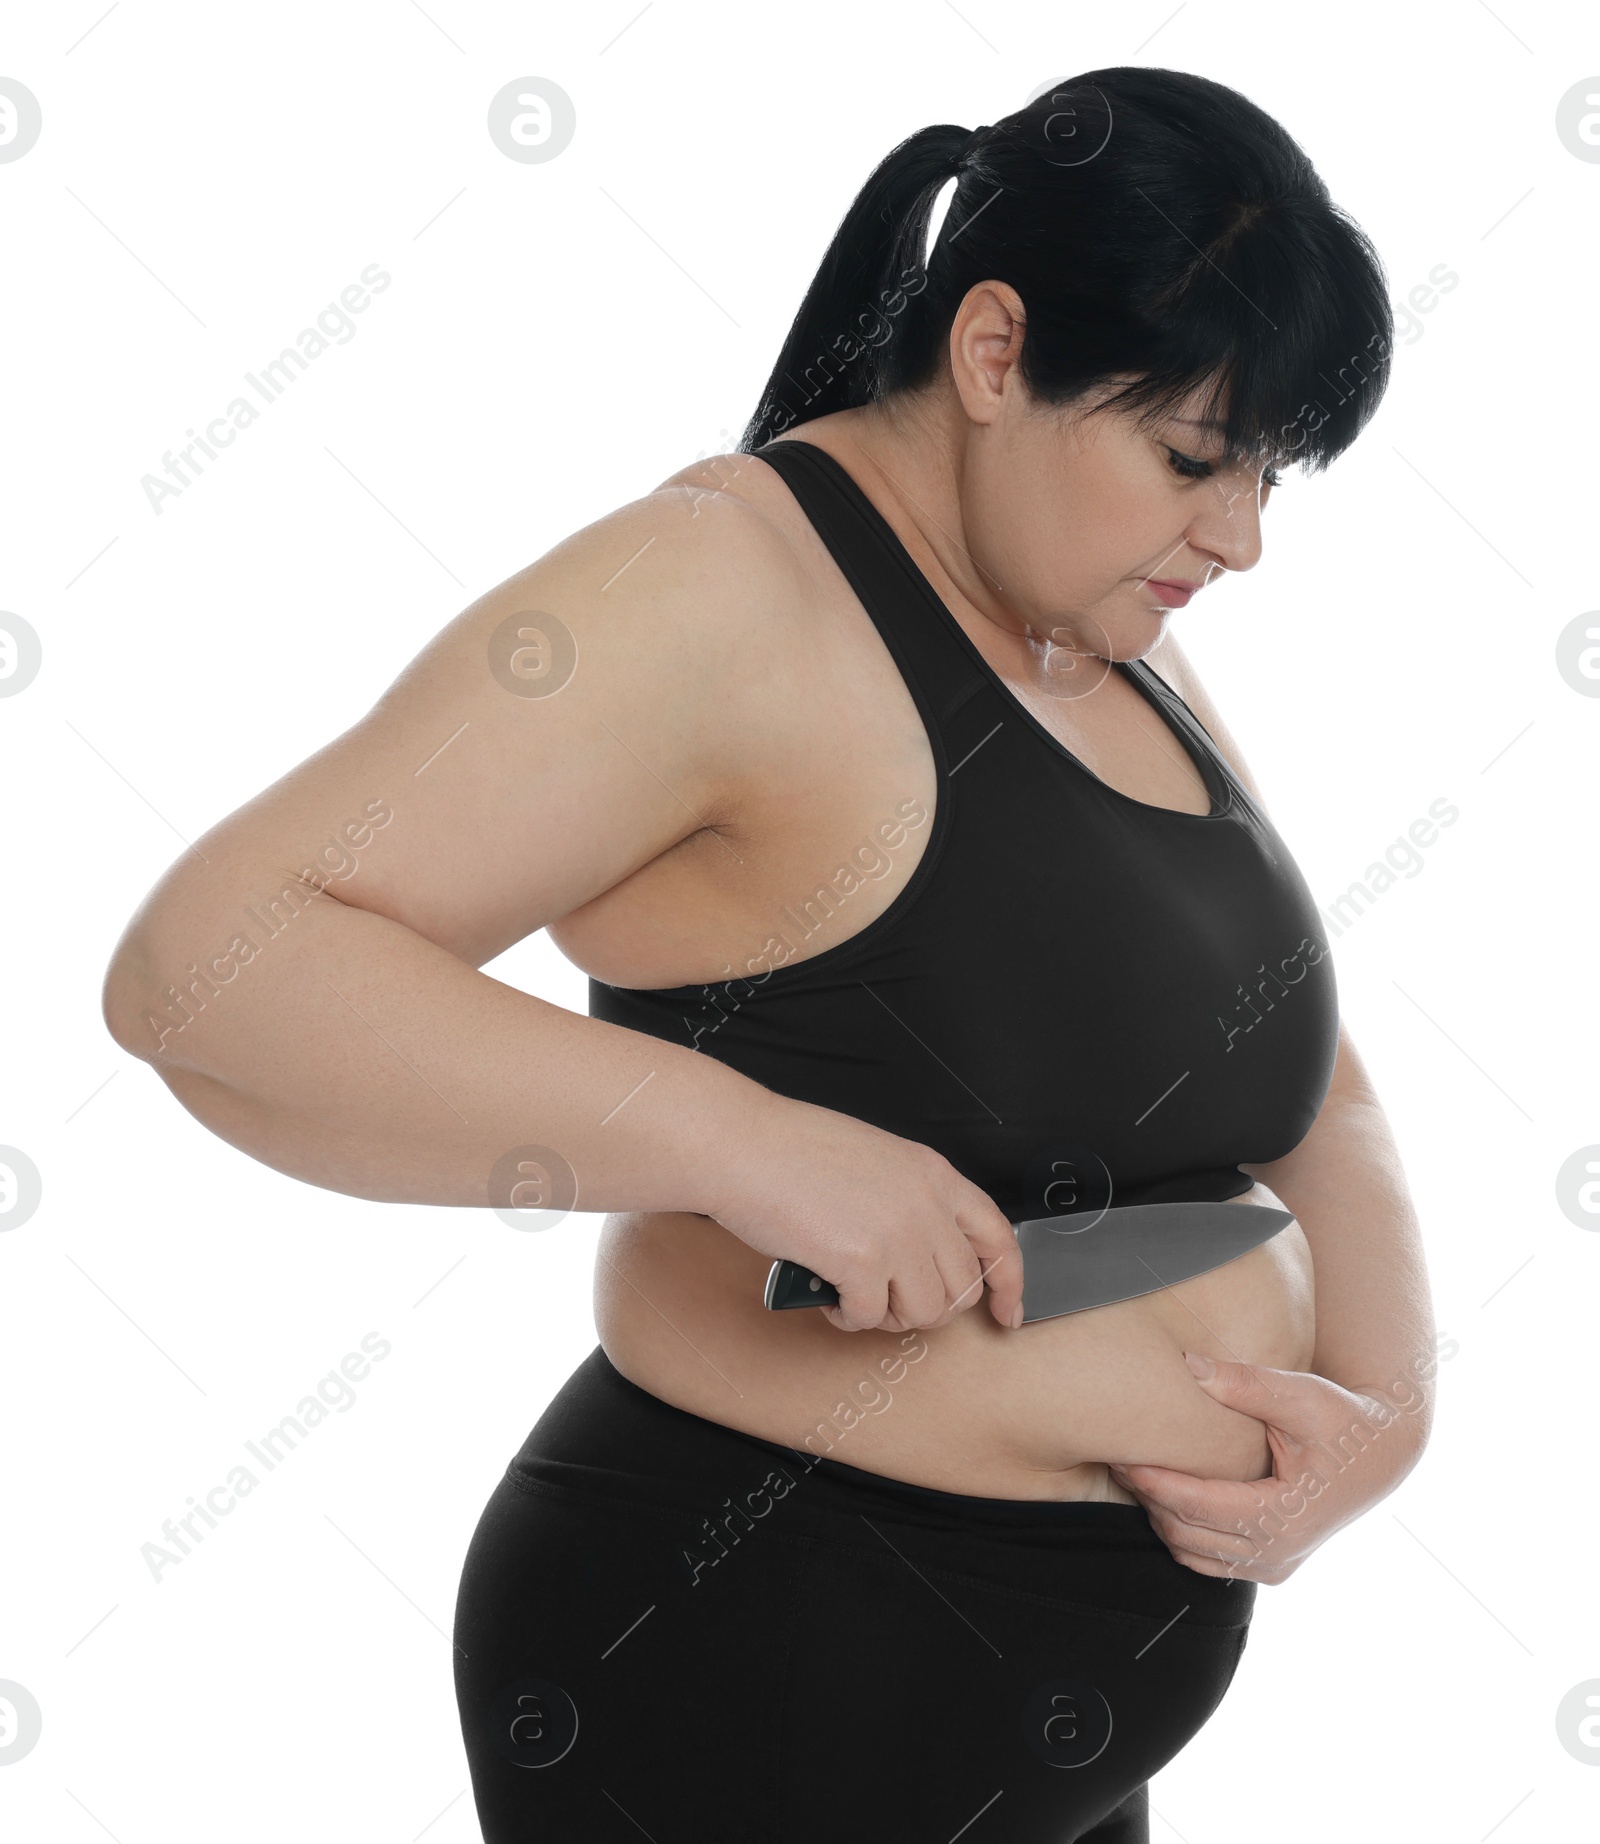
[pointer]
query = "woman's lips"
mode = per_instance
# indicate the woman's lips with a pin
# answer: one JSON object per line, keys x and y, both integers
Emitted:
{"x": 1170, "y": 595}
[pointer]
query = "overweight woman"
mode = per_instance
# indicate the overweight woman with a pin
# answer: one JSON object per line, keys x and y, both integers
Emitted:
{"x": 922, "y": 892}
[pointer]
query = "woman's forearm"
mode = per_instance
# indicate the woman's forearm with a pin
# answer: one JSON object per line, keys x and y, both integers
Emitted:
{"x": 1346, "y": 1186}
{"x": 355, "y": 1054}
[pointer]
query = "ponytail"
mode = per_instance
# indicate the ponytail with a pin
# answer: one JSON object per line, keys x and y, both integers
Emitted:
{"x": 832, "y": 359}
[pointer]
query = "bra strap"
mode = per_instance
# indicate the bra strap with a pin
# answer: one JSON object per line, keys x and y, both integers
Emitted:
{"x": 908, "y": 614}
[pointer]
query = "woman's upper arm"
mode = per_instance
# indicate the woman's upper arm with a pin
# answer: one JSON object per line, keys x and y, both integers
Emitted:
{"x": 518, "y": 789}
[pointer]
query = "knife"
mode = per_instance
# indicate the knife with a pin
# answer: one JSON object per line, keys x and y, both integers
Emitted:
{"x": 1090, "y": 1258}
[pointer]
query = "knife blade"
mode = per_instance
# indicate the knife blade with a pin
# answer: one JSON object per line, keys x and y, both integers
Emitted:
{"x": 1093, "y": 1257}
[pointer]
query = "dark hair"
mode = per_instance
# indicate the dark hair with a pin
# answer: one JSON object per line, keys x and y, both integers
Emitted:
{"x": 1153, "y": 223}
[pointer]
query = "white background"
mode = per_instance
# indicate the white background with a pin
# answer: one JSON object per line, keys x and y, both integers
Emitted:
{"x": 556, "y": 340}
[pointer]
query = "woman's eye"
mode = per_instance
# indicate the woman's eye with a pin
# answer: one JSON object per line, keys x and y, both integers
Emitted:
{"x": 1193, "y": 469}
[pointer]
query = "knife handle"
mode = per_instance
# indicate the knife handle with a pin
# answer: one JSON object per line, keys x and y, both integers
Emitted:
{"x": 789, "y": 1285}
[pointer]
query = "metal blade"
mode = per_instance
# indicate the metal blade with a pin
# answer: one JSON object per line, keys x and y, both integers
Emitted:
{"x": 1093, "y": 1257}
{"x": 1120, "y": 1253}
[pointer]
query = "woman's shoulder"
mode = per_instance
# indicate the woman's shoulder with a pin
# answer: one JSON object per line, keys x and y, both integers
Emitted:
{"x": 693, "y": 598}
{"x": 747, "y": 501}
{"x": 718, "y": 535}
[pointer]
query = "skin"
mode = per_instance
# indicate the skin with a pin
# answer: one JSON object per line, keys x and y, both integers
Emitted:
{"x": 1041, "y": 531}
{"x": 734, "y": 728}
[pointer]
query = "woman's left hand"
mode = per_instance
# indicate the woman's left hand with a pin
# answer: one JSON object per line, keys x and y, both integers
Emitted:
{"x": 1335, "y": 1453}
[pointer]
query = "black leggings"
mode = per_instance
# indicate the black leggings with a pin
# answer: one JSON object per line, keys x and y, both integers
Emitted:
{"x": 666, "y": 1628}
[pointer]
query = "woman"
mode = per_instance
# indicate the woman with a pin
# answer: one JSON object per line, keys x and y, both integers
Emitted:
{"x": 922, "y": 891}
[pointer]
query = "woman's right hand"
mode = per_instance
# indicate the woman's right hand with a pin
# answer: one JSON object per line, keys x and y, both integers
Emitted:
{"x": 907, "y": 1241}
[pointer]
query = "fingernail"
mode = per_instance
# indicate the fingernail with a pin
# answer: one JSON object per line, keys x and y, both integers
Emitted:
{"x": 1201, "y": 1366}
{"x": 1016, "y": 1317}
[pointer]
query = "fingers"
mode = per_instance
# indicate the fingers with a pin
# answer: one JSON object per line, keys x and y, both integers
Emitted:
{"x": 917, "y": 1297}
{"x": 994, "y": 1242}
{"x": 1208, "y": 1565}
{"x": 862, "y": 1305}
{"x": 1200, "y": 1535}
{"x": 976, "y": 1248}
{"x": 961, "y": 1278}
{"x": 914, "y": 1296}
{"x": 921, "y": 1296}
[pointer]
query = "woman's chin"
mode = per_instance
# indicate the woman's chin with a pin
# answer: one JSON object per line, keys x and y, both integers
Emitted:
{"x": 1142, "y": 638}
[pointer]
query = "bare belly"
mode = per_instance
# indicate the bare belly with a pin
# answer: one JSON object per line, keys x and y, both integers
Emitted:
{"x": 970, "y": 1407}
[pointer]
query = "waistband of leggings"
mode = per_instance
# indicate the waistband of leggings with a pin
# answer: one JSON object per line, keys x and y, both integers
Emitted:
{"x": 603, "y": 1435}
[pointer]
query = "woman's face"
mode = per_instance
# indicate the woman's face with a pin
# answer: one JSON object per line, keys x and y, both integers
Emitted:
{"x": 1088, "y": 528}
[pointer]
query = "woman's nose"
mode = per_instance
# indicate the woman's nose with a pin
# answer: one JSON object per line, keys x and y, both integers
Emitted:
{"x": 1229, "y": 525}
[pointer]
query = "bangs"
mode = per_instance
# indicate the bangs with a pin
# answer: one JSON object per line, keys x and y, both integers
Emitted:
{"x": 1282, "y": 339}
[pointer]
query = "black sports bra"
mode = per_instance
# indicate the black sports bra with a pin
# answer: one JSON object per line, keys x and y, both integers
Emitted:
{"x": 1077, "y": 995}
